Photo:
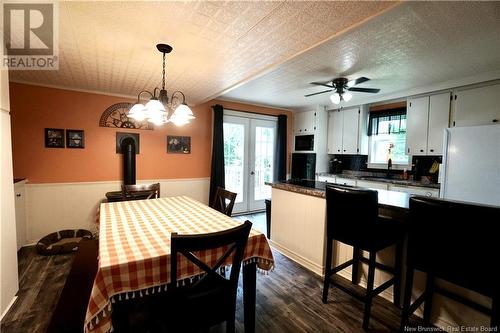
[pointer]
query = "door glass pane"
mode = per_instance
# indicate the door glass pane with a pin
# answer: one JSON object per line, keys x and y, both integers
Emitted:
{"x": 264, "y": 147}
{"x": 234, "y": 158}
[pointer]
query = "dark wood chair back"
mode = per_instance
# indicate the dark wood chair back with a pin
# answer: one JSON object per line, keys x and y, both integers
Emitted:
{"x": 455, "y": 241}
{"x": 141, "y": 192}
{"x": 224, "y": 201}
{"x": 351, "y": 213}
{"x": 212, "y": 298}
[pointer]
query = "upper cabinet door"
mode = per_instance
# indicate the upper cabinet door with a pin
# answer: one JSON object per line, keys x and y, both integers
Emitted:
{"x": 298, "y": 121}
{"x": 309, "y": 121}
{"x": 416, "y": 126}
{"x": 439, "y": 116}
{"x": 478, "y": 106}
{"x": 350, "y": 131}
{"x": 335, "y": 123}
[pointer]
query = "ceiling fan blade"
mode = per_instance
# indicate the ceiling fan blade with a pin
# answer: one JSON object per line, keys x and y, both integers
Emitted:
{"x": 324, "y": 84}
{"x": 321, "y": 92}
{"x": 359, "y": 80}
{"x": 366, "y": 90}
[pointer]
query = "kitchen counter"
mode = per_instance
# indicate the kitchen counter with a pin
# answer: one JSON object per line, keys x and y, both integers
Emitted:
{"x": 402, "y": 182}
{"x": 386, "y": 199}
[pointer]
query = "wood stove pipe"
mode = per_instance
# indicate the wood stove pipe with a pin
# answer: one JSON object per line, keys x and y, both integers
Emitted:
{"x": 128, "y": 149}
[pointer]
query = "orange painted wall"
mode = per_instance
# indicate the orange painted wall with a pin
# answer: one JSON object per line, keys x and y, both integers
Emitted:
{"x": 34, "y": 108}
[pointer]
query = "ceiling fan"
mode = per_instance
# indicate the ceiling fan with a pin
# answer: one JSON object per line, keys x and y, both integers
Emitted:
{"x": 342, "y": 86}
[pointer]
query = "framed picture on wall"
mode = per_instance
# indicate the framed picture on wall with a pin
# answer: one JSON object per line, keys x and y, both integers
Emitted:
{"x": 54, "y": 138}
{"x": 75, "y": 139}
{"x": 178, "y": 144}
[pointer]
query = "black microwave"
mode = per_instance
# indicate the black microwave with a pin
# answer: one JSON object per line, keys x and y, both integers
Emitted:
{"x": 304, "y": 143}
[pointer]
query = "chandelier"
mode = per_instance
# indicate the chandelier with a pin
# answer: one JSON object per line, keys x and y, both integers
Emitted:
{"x": 158, "y": 108}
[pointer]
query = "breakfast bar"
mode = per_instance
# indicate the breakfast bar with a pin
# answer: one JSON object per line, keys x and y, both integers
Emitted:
{"x": 298, "y": 216}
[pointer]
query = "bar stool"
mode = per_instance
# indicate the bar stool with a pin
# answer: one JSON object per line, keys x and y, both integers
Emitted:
{"x": 456, "y": 242}
{"x": 352, "y": 218}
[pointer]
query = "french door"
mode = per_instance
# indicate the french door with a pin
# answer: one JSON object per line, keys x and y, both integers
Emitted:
{"x": 249, "y": 149}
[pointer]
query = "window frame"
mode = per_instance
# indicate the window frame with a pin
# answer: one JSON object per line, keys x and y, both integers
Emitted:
{"x": 395, "y": 165}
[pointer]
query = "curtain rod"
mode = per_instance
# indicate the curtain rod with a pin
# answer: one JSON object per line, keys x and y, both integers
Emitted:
{"x": 246, "y": 111}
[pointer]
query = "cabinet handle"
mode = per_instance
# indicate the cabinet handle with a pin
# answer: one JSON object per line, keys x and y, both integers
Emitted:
{"x": 431, "y": 150}
{"x": 338, "y": 149}
{"x": 421, "y": 150}
{"x": 305, "y": 130}
{"x": 408, "y": 150}
{"x": 300, "y": 130}
{"x": 495, "y": 120}
{"x": 344, "y": 149}
{"x": 18, "y": 195}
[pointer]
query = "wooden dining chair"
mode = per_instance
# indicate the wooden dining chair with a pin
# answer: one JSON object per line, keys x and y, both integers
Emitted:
{"x": 224, "y": 201}
{"x": 211, "y": 299}
{"x": 141, "y": 192}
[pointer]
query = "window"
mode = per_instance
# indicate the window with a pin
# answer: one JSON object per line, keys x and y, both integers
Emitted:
{"x": 387, "y": 138}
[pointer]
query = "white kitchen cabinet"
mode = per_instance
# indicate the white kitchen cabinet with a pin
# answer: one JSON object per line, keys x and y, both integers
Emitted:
{"x": 304, "y": 122}
{"x": 335, "y": 124}
{"x": 371, "y": 184}
{"x": 424, "y": 191}
{"x": 417, "y": 116}
{"x": 439, "y": 116}
{"x": 347, "y": 131}
{"x": 20, "y": 206}
{"x": 426, "y": 119}
{"x": 477, "y": 106}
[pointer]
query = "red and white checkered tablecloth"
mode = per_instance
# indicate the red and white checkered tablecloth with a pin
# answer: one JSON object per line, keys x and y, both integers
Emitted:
{"x": 134, "y": 249}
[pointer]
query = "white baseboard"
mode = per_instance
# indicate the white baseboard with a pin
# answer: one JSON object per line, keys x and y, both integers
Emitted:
{"x": 313, "y": 267}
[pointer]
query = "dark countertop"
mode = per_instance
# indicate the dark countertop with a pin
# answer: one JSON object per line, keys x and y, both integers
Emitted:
{"x": 386, "y": 199}
{"x": 400, "y": 182}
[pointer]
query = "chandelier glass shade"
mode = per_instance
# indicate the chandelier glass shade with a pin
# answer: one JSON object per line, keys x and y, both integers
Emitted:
{"x": 159, "y": 106}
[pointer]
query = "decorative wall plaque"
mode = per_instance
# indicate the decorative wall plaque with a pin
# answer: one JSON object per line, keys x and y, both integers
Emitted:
{"x": 116, "y": 116}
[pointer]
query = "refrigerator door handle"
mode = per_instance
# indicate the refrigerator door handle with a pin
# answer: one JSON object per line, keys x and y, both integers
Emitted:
{"x": 444, "y": 165}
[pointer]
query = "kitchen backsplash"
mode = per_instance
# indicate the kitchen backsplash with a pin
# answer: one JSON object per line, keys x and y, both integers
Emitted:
{"x": 352, "y": 162}
{"x": 421, "y": 166}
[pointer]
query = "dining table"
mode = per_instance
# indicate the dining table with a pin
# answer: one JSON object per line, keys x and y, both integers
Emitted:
{"x": 134, "y": 253}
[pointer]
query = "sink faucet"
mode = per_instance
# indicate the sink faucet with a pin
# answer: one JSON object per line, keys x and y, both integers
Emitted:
{"x": 389, "y": 167}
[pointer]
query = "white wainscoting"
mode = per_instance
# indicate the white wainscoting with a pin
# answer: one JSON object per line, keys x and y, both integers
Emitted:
{"x": 55, "y": 206}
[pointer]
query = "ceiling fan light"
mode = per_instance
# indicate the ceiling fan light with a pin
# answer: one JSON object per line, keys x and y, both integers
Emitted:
{"x": 347, "y": 96}
{"x": 335, "y": 98}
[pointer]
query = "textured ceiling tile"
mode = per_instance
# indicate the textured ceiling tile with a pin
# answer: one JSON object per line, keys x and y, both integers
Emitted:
{"x": 412, "y": 45}
{"x": 110, "y": 46}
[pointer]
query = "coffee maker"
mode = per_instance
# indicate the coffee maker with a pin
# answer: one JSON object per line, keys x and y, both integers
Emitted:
{"x": 335, "y": 166}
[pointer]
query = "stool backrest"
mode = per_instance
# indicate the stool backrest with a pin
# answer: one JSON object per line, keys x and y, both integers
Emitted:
{"x": 455, "y": 241}
{"x": 351, "y": 213}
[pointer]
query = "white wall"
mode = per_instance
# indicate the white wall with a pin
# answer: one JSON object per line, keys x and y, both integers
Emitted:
{"x": 56, "y": 206}
{"x": 8, "y": 267}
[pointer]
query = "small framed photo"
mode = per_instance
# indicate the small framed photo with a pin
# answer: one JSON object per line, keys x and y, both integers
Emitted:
{"x": 178, "y": 144}
{"x": 54, "y": 138}
{"x": 75, "y": 139}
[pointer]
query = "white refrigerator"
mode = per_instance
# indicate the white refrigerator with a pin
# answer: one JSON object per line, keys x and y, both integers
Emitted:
{"x": 471, "y": 164}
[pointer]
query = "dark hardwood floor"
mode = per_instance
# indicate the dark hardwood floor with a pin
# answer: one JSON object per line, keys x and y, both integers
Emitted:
{"x": 288, "y": 300}
{"x": 41, "y": 280}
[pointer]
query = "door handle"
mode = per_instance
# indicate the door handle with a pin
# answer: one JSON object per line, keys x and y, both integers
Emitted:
{"x": 252, "y": 173}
